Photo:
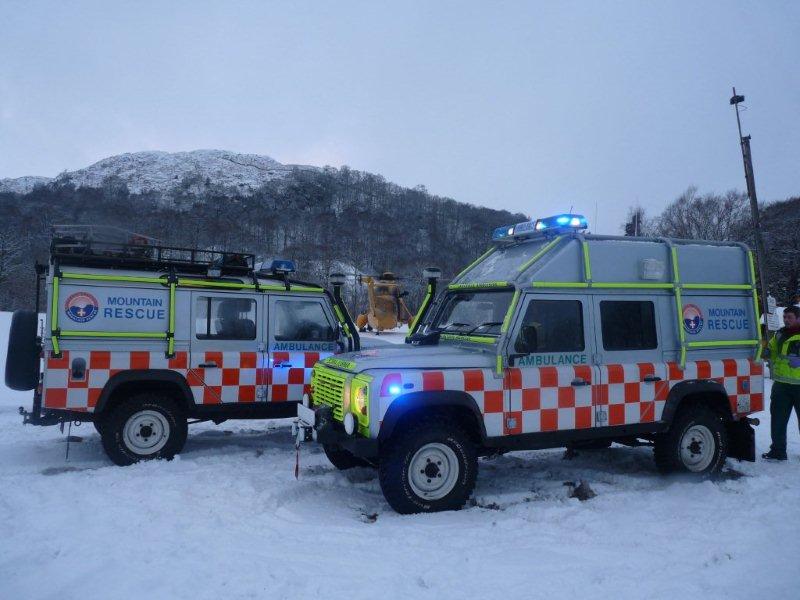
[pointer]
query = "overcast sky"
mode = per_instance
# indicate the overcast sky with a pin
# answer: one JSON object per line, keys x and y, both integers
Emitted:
{"x": 531, "y": 107}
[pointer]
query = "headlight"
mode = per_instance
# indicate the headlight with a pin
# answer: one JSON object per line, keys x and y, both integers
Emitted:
{"x": 359, "y": 398}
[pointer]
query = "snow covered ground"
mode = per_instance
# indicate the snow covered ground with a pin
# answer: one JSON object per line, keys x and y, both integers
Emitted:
{"x": 228, "y": 520}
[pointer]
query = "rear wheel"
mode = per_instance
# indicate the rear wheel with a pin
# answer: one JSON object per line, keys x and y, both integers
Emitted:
{"x": 343, "y": 459}
{"x": 429, "y": 467}
{"x": 696, "y": 443}
{"x": 143, "y": 427}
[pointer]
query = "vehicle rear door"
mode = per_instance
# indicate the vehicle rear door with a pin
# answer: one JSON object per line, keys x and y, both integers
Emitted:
{"x": 302, "y": 331}
{"x": 225, "y": 347}
{"x": 633, "y": 374}
{"x": 550, "y": 385}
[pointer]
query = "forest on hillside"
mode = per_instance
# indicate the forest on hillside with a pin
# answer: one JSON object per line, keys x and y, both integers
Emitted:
{"x": 325, "y": 220}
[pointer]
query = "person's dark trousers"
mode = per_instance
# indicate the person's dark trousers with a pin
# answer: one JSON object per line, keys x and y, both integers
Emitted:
{"x": 784, "y": 397}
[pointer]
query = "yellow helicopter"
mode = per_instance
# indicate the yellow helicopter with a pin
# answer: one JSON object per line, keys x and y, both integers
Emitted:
{"x": 387, "y": 309}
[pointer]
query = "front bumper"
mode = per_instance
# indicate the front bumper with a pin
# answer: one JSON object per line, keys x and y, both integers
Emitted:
{"x": 317, "y": 424}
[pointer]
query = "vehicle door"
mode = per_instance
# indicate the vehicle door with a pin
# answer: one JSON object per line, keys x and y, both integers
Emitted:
{"x": 225, "y": 347}
{"x": 633, "y": 374}
{"x": 550, "y": 383}
{"x": 302, "y": 330}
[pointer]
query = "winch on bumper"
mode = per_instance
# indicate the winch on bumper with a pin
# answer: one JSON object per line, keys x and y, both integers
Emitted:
{"x": 318, "y": 424}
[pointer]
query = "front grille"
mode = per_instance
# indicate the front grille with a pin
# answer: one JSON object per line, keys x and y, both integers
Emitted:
{"x": 328, "y": 388}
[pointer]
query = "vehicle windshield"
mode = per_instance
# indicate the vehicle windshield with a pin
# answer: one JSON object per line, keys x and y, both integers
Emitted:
{"x": 478, "y": 313}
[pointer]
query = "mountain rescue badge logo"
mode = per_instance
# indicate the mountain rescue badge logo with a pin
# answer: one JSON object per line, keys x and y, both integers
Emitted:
{"x": 692, "y": 319}
{"x": 81, "y": 307}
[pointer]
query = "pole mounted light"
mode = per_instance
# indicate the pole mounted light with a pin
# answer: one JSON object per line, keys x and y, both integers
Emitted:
{"x": 747, "y": 159}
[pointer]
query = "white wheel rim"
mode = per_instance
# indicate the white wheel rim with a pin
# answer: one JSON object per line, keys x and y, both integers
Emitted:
{"x": 146, "y": 432}
{"x": 433, "y": 471}
{"x": 697, "y": 448}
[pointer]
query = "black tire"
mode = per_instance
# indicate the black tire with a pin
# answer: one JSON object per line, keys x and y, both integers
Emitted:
{"x": 694, "y": 427}
{"x": 343, "y": 459}
{"x": 410, "y": 445}
{"x": 98, "y": 426}
{"x": 141, "y": 413}
{"x": 22, "y": 359}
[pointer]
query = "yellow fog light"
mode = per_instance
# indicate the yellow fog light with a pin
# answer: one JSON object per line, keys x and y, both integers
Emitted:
{"x": 360, "y": 398}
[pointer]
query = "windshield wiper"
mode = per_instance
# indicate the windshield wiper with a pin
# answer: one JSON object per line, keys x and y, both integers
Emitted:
{"x": 486, "y": 324}
{"x": 447, "y": 328}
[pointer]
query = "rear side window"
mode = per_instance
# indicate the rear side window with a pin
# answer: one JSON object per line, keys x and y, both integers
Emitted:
{"x": 302, "y": 321}
{"x": 551, "y": 326}
{"x": 225, "y": 318}
{"x": 628, "y": 325}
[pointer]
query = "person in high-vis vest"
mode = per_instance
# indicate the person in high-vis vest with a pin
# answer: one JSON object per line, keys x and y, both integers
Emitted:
{"x": 783, "y": 354}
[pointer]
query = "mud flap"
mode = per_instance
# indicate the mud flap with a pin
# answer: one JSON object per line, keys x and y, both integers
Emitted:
{"x": 741, "y": 441}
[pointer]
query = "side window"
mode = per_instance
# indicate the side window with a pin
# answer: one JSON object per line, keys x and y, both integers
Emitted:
{"x": 628, "y": 325}
{"x": 302, "y": 321}
{"x": 225, "y": 318}
{"x": 551, "y": 326}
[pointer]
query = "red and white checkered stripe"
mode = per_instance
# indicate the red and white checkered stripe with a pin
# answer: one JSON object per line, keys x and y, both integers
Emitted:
{"x": 236, "y": 378}
{"x": 544, "y": 399}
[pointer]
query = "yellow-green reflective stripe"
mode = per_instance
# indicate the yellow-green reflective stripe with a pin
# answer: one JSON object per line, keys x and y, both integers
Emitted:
{"x": 716, "y": 286}
{"x": 560, "y": 284}
{"x": 475, "y": 286}
{"x": 755, "y": 305}
{"x": 113, "y": 334}
{"x": 674, "y": 254}
{"x": 56, "y": 348}
{"x": 587, "y": 265}
{"x": 499, "y": 364}
{"x": 467, "y": 338}
{"x": 422, "y": 308}
{"x": 510, "y": 312}
{"x": 223, "y": 284}
{"x": 475, "y": 262}
{"x": 171, "y": 327}
{"x": 295, "y": 288}
{"x": 632, "y": 286}
{"x": 722, "y": 344}
{"x": 539, "y": 254}
{"x": 120, "y": 278}
{"x": 54, "y": 306}
{"x": 679, "y": 305}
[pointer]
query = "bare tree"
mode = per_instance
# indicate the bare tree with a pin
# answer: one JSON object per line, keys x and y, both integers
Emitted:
{"x": 704, "y": 217}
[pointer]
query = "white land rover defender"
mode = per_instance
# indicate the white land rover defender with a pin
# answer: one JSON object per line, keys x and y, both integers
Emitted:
{"x": 553, "y": 338}
{"x": 141, "y": 339}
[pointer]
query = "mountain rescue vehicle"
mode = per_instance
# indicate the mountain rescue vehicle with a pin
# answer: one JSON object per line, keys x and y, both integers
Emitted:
{"x": 141, "y": 339}
{"x": 553, "y": 338}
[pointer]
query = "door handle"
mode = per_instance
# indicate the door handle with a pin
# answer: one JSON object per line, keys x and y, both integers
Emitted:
{"x": 579, "y": 381}
{"x": 651, "y": 378}
{"x": 282, "y": 365}
{"x": 208, "y": 365}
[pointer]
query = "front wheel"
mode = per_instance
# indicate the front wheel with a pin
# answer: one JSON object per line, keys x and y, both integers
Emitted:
{"x": 429, "y": 467}
{"x": 696, "y": 443}
{"x": 144, "y": 427}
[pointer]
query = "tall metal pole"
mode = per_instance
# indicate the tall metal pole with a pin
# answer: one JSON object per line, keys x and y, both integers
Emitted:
{"x": 747, "y": 159}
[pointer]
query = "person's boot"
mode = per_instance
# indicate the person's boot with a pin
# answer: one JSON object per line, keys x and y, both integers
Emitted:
{"x": 774, "y": 455}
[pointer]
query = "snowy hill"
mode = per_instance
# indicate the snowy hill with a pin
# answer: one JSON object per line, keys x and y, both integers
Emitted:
{"x": 162, "y": 172}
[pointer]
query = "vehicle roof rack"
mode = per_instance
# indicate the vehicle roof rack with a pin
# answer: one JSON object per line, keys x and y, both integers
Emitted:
{"x": 112, "y": 247}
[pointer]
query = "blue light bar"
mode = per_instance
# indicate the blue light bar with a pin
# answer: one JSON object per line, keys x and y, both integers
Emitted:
{"x": 574, "y": 222}
{"x": 282, "y": 266}
{"x": 556, "y": 223}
